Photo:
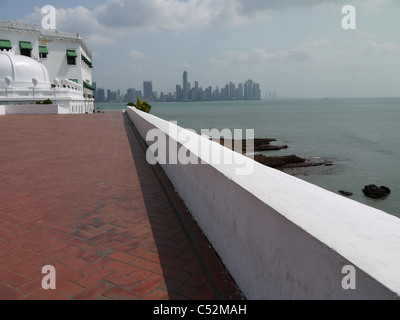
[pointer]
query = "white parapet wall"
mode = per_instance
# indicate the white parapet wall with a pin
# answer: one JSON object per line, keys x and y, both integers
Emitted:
{"x": 2, "y": 110}
{"x": 281, "y": 237}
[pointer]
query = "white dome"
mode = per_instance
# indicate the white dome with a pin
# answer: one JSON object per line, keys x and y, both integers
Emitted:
{"x": 22, "y": 70}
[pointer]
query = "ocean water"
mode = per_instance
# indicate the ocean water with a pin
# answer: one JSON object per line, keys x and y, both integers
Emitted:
{"x": 360, "y": 136}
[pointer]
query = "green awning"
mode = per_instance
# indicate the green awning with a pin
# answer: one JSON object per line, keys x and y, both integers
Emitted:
{"x": 25, "y": 45}
{"x": 74, "y": 80}
{"x": 43, "y": 49}
{"x": 88, "y": 86}
{"x": 87, "y": 61}
{"x": 5, "y": 44}
{"x": 71, "y": 53}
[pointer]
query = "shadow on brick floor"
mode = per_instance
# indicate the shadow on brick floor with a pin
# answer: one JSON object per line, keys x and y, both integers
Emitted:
{"x": 190, "y": 267}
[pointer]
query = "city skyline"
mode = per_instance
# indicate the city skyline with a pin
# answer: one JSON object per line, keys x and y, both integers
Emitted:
{"x": 249, "y": 90}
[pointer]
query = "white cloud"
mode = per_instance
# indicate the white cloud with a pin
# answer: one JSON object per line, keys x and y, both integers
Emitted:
{"x": 137, "y": 55}
{"x": 118, "y": 18}
{"x": 253, "y": 6}
{"x": 78, "y": 18}
{"x": 183, "y": 66}
{"x": 304, "y": 53}
{"x": 166, "y": 14}
{"x": 372, "y": 46}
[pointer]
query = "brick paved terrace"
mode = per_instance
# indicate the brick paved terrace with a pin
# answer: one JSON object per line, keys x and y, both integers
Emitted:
{"x": 77, "y": 193}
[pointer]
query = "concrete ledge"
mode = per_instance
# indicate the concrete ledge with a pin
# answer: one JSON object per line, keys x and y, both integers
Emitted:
{"x": 32, "y": 109}
{"x": 281, "y": 237}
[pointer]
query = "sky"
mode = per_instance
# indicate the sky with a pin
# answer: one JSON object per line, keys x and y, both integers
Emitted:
{"x": 297, "y": 48}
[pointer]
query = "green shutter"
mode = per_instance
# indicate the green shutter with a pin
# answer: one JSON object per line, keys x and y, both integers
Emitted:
{"x": 71, "y": 53}
{"x": 25, "y": 45}
{"x": 5, "y": 44}
{"x": 43, "y": 49}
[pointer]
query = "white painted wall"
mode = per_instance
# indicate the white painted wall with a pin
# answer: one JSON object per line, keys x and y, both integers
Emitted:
{"x": 56, "y": 62}
{"x": 32, "y": 109}
{"x": 15, "y": 37}
{"x": 2, "y": 110}
{"x": 281, "y": 237}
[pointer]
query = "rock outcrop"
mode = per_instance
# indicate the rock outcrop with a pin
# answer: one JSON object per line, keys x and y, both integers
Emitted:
{"x": 276, "y": 162}
{"x": 375, "y": 192}
{"x": 346, "y": 193}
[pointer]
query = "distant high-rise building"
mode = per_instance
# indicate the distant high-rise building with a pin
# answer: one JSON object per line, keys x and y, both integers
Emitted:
{"x": 196, "y": 91}
{"x": 248, "y": 90}
{"x": 232, "y": 91}
{"x": 200, "y": 95}
{"x": 100, "y": 95}
{"x": 131, "y": 95}
{"x": 226, "y": 93}
{"x": 208, "y": 95}
{"x": 111, "y": 95}
{"x": 240, "y": 92}
{"x": 256, "y": 92}
{"x": 185, "y": 87}
{"x": 148, "y": 90}
{"x": 179, "y": 93}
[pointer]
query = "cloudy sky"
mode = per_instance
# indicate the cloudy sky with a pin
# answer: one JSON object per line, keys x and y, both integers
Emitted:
{"x": 296, "y": 47}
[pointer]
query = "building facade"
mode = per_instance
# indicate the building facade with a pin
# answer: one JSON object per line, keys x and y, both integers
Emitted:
{"x": 148, "y": 90}
{"x": 65, "y": 61}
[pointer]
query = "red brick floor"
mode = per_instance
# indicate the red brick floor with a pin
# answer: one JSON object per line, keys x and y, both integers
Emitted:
{"x": 77, "y": 193}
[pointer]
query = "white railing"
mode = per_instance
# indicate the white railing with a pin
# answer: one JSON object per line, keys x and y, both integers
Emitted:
{"x": 15, "y": 93}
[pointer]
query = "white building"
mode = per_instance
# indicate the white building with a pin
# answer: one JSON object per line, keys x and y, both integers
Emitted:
{"x": 38, "y": 65}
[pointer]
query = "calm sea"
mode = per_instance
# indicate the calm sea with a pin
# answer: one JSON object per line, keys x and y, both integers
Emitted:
{"x": 360, "y": 136}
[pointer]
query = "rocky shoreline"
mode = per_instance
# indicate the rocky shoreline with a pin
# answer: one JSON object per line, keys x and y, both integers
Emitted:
{"x": 295, "y": 165}
{"x": 282, "y": 163}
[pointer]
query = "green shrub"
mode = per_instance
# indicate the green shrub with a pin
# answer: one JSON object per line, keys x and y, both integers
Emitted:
{"x": 48, "y": 101}
{"x": 140, "y": 105}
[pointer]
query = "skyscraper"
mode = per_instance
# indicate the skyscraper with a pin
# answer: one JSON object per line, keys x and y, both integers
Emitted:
{"x": 232, "y": 91}
{"x": 148, "y": 90}
{"x": 179, "y": 93}
{"x": 185, "y": 87}
{"x": 240, "y": 92}
{"x": 100, "y": 95}
{"x": 131, "y": 95}
{"x": 248, "y": 90}
{"x": 196, "y": 91}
